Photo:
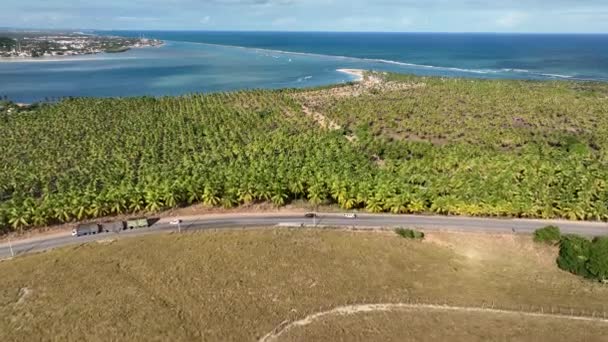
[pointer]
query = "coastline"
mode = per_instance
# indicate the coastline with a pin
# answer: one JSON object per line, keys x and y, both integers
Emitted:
{"x": 358, "y": 73}
{"x": 540, "y": 76}
{"x": 74, "y": 58}
{"x": 102, "y": 55}
{"x": 354, "y": 72}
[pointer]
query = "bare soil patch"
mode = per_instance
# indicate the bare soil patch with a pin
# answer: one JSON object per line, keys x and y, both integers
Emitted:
{"x": 24, "y": 292}
{"x": 316, "y": 102}
{"x": 320, "y": 119}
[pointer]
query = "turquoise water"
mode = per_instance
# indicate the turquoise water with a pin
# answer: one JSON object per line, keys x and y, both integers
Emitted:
{"x": 204, "y": 62}
{"x": 515, "y": 55}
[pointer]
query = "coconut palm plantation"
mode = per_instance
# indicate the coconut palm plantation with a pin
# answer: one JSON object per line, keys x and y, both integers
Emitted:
{"x": 404, "y": 144}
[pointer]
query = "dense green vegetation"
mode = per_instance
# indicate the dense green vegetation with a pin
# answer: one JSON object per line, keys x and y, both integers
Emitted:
{"x": 87, "y": 158}
{"x": 410, "y": 233}
{"x": 517, "y": 148}
{"x": 505, "y": 115}
{"x": 598, "y": 259}
{"x": 584, "y": 257}
{"x": 574, "y": 254}
{"x": 117, "y": 49}
{"x": 7, "y": 43}
{"x": 467, "y": 147}
{"x": 577, "y": 255}
{"x": 549, "y": 235}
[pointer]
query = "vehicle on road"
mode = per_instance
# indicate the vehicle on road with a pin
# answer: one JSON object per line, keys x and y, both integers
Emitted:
{"x": 310, "y": 215}
{"x": 113, "y": 227}
{"x": 350, "y": 215}
{"x": 447, "y": 223}
{"x": 178, "y": 223}
{"x": 110, "y": 227}
{"x": 137, "y": 223}
{"x": 86, "y": 229}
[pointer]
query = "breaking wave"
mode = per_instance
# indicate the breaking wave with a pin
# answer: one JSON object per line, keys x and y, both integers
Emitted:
{"x": 524, "y": 72}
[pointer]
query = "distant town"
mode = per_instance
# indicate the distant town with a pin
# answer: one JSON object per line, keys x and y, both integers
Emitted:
{"x": 46, "y": 44}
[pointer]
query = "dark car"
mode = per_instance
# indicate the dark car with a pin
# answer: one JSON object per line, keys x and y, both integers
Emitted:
{"x": 310, "y": 215}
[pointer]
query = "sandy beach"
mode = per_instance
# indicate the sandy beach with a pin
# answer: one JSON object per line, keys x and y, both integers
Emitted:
{"x": 354, "y": 72}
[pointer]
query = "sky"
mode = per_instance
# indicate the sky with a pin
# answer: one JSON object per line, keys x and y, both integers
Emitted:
{"x": 546, "y": 16}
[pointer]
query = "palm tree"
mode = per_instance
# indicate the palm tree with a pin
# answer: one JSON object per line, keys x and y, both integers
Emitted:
{"x": 171, "y": 196}
{"x": 229, "y": 199}
{"x": 117, "y": 202}
{"x": 397, "y": 204}
{"x": 39, "y": 216}
{"x": 137, "y": 203}
{"x": 79, "y": 207}
{"x": 316, "y": 194}
{"x": 296, "y": 187}
{"x": 374, "y": 205}
{"x": 18, "y": 218}
{"x": 153, "y": 200}
{"x": 416, "y": 206}
{"x": 99, "y": 207}
{"x": 246, "y": 194}
{"x": 210, "y": 197}
{"x": 62, "y": 214}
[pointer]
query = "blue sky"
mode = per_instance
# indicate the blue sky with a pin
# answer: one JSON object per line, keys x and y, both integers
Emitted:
{"x": 312, "y": 15}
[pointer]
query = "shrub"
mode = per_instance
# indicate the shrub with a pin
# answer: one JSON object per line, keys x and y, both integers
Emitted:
{"x": 409, "y": 233}
{"x": 598, "y": 259}
{"x": 549, "y": 235}
{"x": 573, "y": 255}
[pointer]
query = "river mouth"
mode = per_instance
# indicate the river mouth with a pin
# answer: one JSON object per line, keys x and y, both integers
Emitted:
{"x": 180, "y": 67}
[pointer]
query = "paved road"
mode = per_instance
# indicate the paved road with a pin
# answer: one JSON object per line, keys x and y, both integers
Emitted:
{"x": 363, "y": 221}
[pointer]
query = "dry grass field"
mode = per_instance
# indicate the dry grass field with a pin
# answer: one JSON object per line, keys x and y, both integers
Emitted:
{"x": 239, "y": 285}
{"x": 445, "y": 325}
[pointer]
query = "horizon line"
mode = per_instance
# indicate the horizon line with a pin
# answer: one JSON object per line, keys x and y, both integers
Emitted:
{"x": 299, "y": 31}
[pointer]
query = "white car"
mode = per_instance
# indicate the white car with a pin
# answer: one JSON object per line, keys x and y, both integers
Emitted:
{"x": 350, "y": 215}
{"x": 175, "y": 222}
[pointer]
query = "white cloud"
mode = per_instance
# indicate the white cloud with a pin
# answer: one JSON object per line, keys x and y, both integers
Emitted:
{"x": 512, "y": 19}
{"x": 328, "y": 15}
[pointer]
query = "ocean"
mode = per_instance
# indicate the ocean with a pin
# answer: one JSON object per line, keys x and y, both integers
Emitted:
{"x": 222, "y": 61}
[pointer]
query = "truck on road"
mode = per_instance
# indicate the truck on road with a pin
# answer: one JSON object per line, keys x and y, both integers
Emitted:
{"x": 113, "y": 227}
{"x": 110, "y": 227}
{"x": 86, "y": 229}
{"x": 136, "y": 223}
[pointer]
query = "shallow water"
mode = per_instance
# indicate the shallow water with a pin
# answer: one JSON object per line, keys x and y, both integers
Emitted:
{"x": 188, "y": 64}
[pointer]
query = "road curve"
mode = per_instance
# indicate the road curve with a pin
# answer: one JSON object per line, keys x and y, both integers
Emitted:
{"x": 363, "y": 221}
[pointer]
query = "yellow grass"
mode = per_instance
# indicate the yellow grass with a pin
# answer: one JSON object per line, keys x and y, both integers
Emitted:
{"x": 445, "y": 325}
{"x": 241, "y": 284}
